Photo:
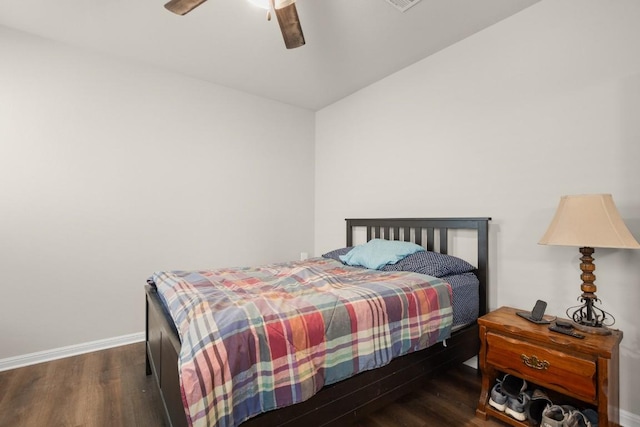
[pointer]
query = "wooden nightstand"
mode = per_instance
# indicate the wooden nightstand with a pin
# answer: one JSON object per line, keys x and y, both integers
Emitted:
{"x": 583, "y": 369}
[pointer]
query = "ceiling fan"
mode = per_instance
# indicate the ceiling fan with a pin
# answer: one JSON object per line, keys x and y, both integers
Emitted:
{"x": 285, "y": 11}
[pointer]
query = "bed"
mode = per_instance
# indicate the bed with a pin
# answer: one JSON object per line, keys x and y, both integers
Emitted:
{"x": 343, "y": 402}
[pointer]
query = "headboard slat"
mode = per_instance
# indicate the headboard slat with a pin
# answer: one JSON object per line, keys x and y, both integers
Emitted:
{"x": 407, "y": 234}
{"x": 430, "y": 239}
{"x": 444, "y": 241}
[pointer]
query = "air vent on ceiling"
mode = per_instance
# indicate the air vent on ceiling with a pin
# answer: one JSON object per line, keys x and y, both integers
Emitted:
{"x": 402, "y": 5}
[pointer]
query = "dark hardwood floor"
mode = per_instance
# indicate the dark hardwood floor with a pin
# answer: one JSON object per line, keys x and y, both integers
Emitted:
{"x": 110, "y": 388}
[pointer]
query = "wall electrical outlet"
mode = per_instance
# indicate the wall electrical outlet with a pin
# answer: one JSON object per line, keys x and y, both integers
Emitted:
{"x": 303, "y": 256}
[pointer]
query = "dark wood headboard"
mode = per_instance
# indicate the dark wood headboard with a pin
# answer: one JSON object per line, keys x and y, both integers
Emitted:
{"x": 423, "y": 231}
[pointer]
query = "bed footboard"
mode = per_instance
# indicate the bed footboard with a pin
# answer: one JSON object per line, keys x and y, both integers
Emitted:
{"x": 163, "y": 348}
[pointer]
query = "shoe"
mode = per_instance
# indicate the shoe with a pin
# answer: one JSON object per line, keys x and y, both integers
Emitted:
{"x": 498, "y": 399}
{"x": 516, "y": 407}
{"x": 582, "y": 419}
{"x": 592, "y": 416}
{"x": 537, "y": 404}
{"x": 512, "y": 386}
{"x": 554, "y": 416}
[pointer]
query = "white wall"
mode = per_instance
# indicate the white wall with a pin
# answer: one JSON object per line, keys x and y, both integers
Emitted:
{"x": 110, "y": 171}
{"x": 502, "y": 124}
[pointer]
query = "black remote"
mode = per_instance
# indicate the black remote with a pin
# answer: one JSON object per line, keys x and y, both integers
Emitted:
{"x": 564, "y": 323}
{"x": 566, "y": 331}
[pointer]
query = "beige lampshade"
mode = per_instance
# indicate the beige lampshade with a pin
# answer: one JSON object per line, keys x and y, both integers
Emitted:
{"x": 589, "y": 220}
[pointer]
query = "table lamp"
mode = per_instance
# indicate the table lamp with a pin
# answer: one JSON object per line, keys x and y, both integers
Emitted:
{"x": 588, "y": 221}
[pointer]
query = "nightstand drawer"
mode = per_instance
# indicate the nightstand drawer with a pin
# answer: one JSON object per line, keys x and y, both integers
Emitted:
{"x": 546, "y": 367}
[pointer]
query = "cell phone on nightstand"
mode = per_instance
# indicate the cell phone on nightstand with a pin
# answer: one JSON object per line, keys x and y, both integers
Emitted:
{"x": 537, "y": 314}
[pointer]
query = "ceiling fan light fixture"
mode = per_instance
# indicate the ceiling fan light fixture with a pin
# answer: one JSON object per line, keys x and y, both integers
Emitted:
{"x": 262, "y": 4}
{"x": 266, "y": 4}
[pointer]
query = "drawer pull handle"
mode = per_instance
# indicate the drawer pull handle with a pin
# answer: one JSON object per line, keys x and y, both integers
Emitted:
{"x": 534, "y": 362}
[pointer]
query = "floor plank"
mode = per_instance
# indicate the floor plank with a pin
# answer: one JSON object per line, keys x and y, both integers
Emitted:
{"x": 110, "y": 388}
{"x": 104, "y": 388}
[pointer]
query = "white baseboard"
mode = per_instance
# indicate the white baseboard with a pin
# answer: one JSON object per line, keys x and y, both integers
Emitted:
{"x": 473, "y": 362}
{"x": 628, "y": 419}
{"x": 72, "y": 350}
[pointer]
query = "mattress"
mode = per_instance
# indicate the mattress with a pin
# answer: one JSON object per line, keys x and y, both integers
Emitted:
{"x": 465, "y": 298}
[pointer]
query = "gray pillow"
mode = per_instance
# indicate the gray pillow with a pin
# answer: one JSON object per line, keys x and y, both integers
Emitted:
{"x": 431, "y": 263}
{"x": 337, "y": 253}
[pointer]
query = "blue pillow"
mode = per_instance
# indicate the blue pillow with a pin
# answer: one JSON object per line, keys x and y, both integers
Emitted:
{"x": 377, "y": 253}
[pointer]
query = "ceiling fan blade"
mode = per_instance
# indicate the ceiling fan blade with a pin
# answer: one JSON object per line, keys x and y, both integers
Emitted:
{"x": 290, "y": 26}
{"x": 182, "y": 7}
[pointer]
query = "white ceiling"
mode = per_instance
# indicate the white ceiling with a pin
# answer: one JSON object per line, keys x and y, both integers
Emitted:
{"x": 350, "y": 43}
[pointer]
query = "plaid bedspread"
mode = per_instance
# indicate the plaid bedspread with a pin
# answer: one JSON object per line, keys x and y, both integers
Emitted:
{"x": 256, "y": 339}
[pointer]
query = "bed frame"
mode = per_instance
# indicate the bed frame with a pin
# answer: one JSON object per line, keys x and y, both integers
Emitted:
{"x": 345, "y": 402}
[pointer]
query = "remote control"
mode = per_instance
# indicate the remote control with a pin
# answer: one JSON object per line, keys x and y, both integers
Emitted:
{"x": 564, "y": 323}
{"x": 566, "y": 331}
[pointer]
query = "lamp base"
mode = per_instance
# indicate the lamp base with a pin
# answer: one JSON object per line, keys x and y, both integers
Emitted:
{"x": 595, "y": 330}
{"x": 590, "y": 319}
